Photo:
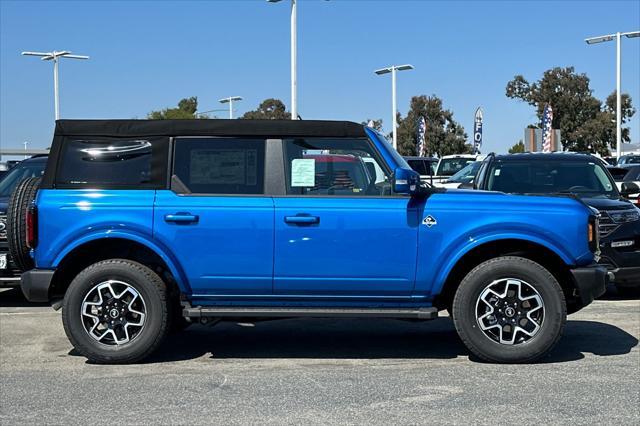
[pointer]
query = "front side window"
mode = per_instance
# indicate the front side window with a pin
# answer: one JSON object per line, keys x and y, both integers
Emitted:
{"x": 347, "y": 167}
{"x": 420, "y": 166}
{"x": 118, "y": 163}
{"x": 220, "y": 165}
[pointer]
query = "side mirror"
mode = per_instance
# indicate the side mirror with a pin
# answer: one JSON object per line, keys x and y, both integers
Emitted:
{"x": 629, "y": 188}
{"x": 406, "y": 181}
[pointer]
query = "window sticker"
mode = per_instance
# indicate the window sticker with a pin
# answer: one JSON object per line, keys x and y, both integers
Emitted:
{"x": 222, "y": 166}
{"x": 497, "y": 172}
{"x": 303, "y": 172}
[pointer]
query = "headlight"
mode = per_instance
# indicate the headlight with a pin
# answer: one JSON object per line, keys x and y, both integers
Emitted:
{"x": 624, "y": 216}
{"x": 593, "y": 234}
{"x": 3, "y": 227}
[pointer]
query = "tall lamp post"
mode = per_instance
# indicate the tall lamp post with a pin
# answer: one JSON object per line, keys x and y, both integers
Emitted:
{"x": 229, "y": 101}
{"x": 294, "y": 58}
{"x": 394, "y": 105}
{"x": 55, "y": 57}
{"x": 609, "y": 37}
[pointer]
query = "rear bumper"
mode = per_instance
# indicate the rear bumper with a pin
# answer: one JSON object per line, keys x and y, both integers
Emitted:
{"x": 35, "y": 284}
{"x": 591, "y": 282}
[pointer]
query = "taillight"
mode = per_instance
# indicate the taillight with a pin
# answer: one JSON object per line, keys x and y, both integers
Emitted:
{"x": 32, "y": 227}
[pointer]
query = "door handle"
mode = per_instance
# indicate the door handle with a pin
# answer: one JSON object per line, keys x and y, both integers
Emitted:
{"x": 300, "y": 219}
{"x": 181, "y": 218}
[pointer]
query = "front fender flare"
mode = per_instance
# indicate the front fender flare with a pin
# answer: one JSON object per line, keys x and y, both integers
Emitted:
{"x": 469, "y": 244}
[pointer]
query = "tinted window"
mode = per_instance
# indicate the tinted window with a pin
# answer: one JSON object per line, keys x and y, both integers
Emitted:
{"x": 451, "y": 166}
{"x": 334, "y": 167}
{"x": 467, "y": 174}
{"x": 546, "y": 177}
{"x": 120, "y": 163}
{"x": 220, "y": 165}
{"x": 419, "y": 166}
{"x": 20, "y": 172}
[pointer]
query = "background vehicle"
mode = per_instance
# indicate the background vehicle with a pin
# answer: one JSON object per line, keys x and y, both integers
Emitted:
{"x": 32, "y": 167}
{"x": 210, "y": 220}
{"x": 628, "y": 159}
{"x": 449, "y": 165}
{"x": 627, "y": 174}
{"x": 464, "y": 178}
{"x": 425, "y": 166}
{"x": 585, "y": 177}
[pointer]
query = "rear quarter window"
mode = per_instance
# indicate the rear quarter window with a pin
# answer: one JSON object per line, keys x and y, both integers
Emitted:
{"x": 113, "y": 163}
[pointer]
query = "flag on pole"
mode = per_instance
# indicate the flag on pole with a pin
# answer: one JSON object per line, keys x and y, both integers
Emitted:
{"x": 422, "y": 129}
{"x": 477, "y": 131}
{"x": 547, "y": 128}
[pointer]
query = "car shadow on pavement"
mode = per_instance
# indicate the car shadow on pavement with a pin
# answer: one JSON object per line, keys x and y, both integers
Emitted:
{"x": 368, "y": 339}
{"x": 12, "y": 297}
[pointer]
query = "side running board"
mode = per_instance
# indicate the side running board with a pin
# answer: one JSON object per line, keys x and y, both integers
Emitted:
{"x": 291, "y": 312}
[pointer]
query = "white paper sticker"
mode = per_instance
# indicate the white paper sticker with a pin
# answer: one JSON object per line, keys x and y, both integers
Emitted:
{"x": 497, "y": 172}
{"x": 303, "y": 172}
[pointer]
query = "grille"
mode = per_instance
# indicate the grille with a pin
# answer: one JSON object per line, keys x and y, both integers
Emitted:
{"x": 3, "y": 227}
{"x": 607, "y": 226}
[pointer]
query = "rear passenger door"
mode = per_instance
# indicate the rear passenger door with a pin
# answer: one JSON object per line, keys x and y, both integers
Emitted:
{"x": 216, "y": 219}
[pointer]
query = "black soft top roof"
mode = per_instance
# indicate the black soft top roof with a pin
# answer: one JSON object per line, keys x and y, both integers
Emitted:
{"x": 207, "y": 127}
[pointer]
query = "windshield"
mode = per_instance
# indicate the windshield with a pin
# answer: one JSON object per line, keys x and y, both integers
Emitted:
{"x": 467, "y": 174}
{"x": 584, "y": 179}
{"x": 451, "y": 166}
{"x": 631, "y": 159}
{"x": 17, "y": 174}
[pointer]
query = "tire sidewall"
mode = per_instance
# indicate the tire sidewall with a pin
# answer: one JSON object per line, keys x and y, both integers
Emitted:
{"x": 155, "y": 321}
{"x": 509, "y": 267}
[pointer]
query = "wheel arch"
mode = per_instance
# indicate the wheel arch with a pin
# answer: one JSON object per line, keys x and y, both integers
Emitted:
{"x": 533, "y": 250}
{"x": 94, "y": 248}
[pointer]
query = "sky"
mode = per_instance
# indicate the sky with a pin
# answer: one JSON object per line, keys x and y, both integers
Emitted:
{"x": 147, "y": 55}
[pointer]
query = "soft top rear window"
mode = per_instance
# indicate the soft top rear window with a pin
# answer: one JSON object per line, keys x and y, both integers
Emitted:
{"x": 108, "y": 162}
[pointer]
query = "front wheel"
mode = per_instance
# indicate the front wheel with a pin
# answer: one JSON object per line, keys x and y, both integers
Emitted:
{"x": 509, "y": 310}
{"x": 116, "y": 311}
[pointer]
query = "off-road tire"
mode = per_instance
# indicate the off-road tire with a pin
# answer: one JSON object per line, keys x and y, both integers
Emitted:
{"x": 470, "y": 289}
{"x": 150, "y": 287}
{"x": 19, "y": 202}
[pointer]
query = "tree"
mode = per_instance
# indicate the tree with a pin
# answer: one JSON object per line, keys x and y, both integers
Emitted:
{"x": 585, "y": 123}
{"x": 443, "y": 136}
{"x": 517, "y": 148}
{"x": 187, "y": 108}
{"x": 269, "y": 109}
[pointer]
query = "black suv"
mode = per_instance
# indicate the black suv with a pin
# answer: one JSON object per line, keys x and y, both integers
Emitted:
{"x": 585, "y": 177}
{"x": 32, "y": 167}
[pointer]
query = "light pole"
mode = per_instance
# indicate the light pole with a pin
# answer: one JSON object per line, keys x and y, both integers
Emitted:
{"x": 55, "y": 57}
{"x": 229, "y": 101}
{"x": 394, "y": 105}
{"x": 294, "y": 58}
{"x": 610, "y": 37}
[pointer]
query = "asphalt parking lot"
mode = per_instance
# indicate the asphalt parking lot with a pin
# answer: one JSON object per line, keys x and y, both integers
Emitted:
{"x": 321, "y": 371}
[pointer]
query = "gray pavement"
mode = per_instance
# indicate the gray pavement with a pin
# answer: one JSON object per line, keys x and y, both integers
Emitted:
{"x": 321, "y": 371}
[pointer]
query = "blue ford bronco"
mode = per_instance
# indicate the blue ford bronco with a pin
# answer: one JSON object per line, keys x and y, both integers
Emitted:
{"x": 139, "y": 227}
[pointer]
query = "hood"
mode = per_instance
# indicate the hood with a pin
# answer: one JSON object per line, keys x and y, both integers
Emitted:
{"x": 607, "y": 204}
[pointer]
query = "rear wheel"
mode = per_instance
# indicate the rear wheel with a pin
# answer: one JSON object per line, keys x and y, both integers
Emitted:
{"x": 509, "y": 309}
{"x": 116, "y": 311}
{"x": 19, "y": 202}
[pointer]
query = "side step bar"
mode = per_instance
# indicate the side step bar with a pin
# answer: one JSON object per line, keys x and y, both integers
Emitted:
{"x": 291, "y": 312}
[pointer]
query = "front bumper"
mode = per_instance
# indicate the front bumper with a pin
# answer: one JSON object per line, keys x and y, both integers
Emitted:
{"x": 626, "y": 277}
{"x": 35, "y": 284}
{"x": 591, "y": 282}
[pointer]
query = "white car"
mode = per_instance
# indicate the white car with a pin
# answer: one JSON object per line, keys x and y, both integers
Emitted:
{"x": 625, "y": 175}
{"x": 449, "y": 165}
{"x": 464, "y": 177}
